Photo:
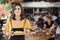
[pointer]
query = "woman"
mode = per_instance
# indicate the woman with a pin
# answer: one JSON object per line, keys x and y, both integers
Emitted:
{"x": 49, "y": 24}
{"x": 17, "y": 23}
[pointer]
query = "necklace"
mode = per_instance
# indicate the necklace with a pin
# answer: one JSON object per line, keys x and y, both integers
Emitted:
{"x": 17, "y": 23}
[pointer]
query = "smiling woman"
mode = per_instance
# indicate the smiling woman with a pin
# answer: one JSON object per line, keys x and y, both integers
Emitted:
{"x": 17, "y": 24}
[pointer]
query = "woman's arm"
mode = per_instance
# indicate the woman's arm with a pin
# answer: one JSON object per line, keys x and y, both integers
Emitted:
{"x": 7, "y": 28}
{"x": 44, "y": 27}
{"x": 27, "y": 25}
{"x": 53, "y": 26}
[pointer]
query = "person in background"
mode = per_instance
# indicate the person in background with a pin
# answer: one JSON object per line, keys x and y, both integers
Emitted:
{"x": 36, "y": 16}
{"x": 57, "y": 28}
{"x": 17, "y": 23}
{"x": 33, "y": 24}
{"x": 49, "y": 24}
{"x": 53, "y": 17}
{"x": 50, "y": 14}
{"x": 47, "y": 14}
{"x": 40, "y": 23}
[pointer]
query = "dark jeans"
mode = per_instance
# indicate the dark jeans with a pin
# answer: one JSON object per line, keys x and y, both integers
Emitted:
{"x": 18, "y": 37}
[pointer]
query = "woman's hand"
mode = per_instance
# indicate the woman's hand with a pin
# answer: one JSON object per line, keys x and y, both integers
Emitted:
{"x": 27, "y": 33}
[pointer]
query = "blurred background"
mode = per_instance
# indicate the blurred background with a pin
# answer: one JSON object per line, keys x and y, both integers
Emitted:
{"x": 32, "y": 9}
{"x": 32, "y": 6}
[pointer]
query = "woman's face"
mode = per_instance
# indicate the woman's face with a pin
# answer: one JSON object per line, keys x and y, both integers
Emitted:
{"x": 17, "y": 10}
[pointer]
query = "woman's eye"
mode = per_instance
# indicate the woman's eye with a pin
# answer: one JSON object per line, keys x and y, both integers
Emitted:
{"x": 18, "y": 8}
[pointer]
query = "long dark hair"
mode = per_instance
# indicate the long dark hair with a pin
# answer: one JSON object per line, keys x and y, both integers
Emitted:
{"x": 14, "y": 4}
